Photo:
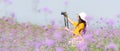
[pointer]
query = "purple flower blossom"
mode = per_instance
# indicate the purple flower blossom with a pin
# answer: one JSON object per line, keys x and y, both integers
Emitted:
{"x": 101, "y": 18}
{"x": 97, "y": 32}
{"x": 47, "y": 10}
{"x": 111, "y": 46}
{"x": 5, "y": 18}
{"x": 8, "y": 1}
{"x": 105, "y": 35}
{"x": 14, "y": 31}
{"x": 12, "y": 14}
{"x": 49, "y": 42}
{"x": 66, "y": 3}
{"x": 58, "y": 35}
{"x": 17, "y": 35}
{"x": 37, "y": 46}
{"x": 52, "y": 22}
{"x": 3, "y": 49}
{"x": 110, "y": 22}
{"x": 88, "y": 37}
{"x": 118, "y": 16}
{"x": 82, "y": 46}
{"x": 99, "y": 45}
{"x": 89, "y": 18}
{"x": 110, "y": 36}
{"x": 59, "y": 49}
{"x": 45, "y": 28}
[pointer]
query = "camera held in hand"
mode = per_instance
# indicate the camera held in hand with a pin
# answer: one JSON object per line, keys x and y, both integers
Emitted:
{"x": 64, "y": 13}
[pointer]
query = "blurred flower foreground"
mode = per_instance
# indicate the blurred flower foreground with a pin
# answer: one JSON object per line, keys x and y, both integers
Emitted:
{"x": 16, "y": 36}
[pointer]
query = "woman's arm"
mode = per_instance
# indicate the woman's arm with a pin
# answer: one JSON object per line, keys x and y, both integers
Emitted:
{"x": 70, "y": 20}
{"x": 68, "y": 30}
{"x": 65, "y": 15}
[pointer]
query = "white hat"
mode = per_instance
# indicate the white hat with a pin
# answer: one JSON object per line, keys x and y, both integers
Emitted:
{"x": 83, "y": 15}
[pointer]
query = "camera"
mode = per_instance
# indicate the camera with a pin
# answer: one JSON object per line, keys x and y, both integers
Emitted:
{"x": 64, "y": 13}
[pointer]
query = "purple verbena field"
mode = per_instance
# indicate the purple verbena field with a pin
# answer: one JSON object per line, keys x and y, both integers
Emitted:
{"x": 16, "y": 36}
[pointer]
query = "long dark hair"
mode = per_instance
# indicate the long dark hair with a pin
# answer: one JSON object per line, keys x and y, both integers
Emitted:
{"x": 82, "y": 21}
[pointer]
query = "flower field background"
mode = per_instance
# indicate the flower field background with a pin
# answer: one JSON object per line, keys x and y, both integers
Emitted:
{"x": 102, "y": 32}
{"x": 16, "y": 36}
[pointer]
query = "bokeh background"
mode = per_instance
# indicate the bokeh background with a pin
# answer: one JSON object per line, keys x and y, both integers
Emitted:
{"x": 37, "y": 25}
{"x": 42, "y": 12}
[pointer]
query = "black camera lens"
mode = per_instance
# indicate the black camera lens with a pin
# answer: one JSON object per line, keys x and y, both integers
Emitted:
{"x": 63, "y": 13}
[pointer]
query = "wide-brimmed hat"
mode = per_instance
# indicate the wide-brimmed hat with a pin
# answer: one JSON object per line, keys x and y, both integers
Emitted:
{"x": 83, "y": 15}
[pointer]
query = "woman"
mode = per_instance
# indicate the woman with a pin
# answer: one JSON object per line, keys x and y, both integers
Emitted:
{"x": 79, "y": 27}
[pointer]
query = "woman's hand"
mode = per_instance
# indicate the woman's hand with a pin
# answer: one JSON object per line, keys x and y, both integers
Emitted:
{"x": 66, "y": 29}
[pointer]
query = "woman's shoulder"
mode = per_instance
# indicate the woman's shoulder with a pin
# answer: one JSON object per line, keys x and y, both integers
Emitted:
{"x": 75, "y": 22}
{"x": 81, "y": 24}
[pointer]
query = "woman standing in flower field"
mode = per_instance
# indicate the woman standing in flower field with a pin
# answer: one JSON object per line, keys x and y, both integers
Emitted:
{"x": 79, "y": 27}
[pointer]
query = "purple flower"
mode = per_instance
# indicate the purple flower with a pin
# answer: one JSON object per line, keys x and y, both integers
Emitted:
{"x": 99, "y": 45}
{"x": 5, "y": 18}
{"x": 88, "y": 37}
{"x": 105, "y": 35}
{"x": 118, "y": 16}
{"x": 8, "y": 1}
{"x": 49, "y": 42}
{"x": 111, "y": 46}
{"x": 59, "y": 49}
{"x": 47, "y": 34}
{"x": 14, "y": 31}
{"x": 110, "y": 22}
{"x": 97, "y": 32}
{"x": 53, "y": 22}
{"x": 27, "y": 25}
{"x": 82, "y": 46}
{"x": 110, "y": 36}
{"x": 89, "y": 18}
{"x": 37, "y": 46}
{"x": 47, "y": 10}
{"x": 101, "y": 18}
{"x": 58, "y": 35}
{"x": 4, "y": 49}
{"x": 66, "y": 3}
{"x": 13, "y": 14}
{"x": 45, "y": 28}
